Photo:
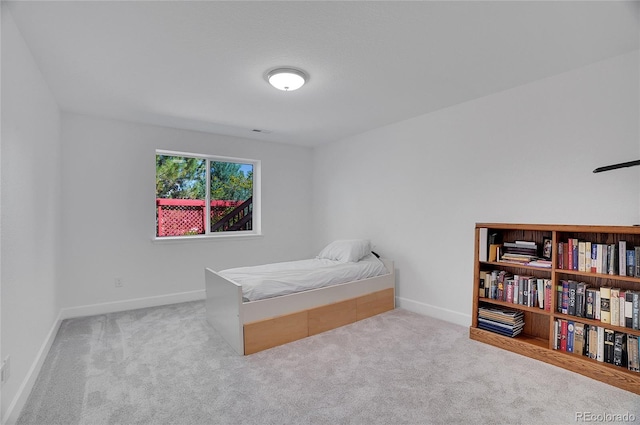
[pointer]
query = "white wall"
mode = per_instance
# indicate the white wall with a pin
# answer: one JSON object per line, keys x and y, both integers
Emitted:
{"x": 525, "y": 155}
{"x": 109, "y": 214}
{"x": 30, "y": 222}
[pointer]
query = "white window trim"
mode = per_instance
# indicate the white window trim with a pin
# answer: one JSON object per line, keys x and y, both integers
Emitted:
{"x": 257, "y": 200}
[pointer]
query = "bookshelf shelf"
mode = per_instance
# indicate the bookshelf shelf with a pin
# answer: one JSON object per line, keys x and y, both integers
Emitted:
{"x": 598, "y": 275}
{"x": 586, "y": 321}
{"x": 542, "y": 336}
{"x": 520, "y": 266}
{"x": 534, "y": 310}
{"x": 517, "y": 344}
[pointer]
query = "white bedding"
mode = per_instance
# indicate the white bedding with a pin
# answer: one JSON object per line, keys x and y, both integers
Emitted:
{"x": 273, "y": 280}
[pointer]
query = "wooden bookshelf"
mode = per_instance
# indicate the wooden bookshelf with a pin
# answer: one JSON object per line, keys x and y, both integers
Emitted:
{"x": 538, "y": 337}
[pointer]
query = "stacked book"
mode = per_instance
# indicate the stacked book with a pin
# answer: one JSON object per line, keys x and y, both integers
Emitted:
{"x": 500, "y": 320}
{"x": 520, "y": 252}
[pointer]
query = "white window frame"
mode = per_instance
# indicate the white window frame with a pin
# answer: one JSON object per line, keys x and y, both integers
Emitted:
{"x": 257, "y": 199}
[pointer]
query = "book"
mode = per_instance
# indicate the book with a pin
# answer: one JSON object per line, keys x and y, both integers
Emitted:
{"x": 622, "y": 301}
{"x": 485, "y": 283}
{"x": 628, "y": 309}
{"x": 565, "y": 297}
{"x": 522, "y": 247}
{"x": 633, "y": 362}
{"x": 620, "y": 349}
{"x": 570, "y": 336}
{"x": 540, "y": 292}
{"x": 622, "y": 266}
{"x": 586, "y": 340}
{"x": 599, "y": 257}
{"x": 502, "y": 289}
{"x": 596, "y": 306}
{"x": 600, "y": 345}
{"x": 493, "y": 284}
{"x": 589, "y": 308}
{"x": 575, "y": 254}
{"x": 587, "y": 257}
{"x": 570, "y": 254}
{"x": 563, "y": 334}
{"x": 593, "y": 342}
{"x": 605, "y": 307}
{"x": 571, "y": 309}
{"x": 635, "y": 323}
{"x": 560, "y": 256}
{"x": 578, "y": 339}
{"x": 527, "y": 243}
{"x": 497, "y": 328}
{"x": 521, "y": 289}
{"x": 493, "y": 252}
{"x": 510, "y": 289}
{"x": 636, "y": 350}
{"x": 483, "y": 255}
{"x": 612, "y": 259}
{"x": 581, "y": 290}
{"x": 547, "y": 294}
{"x": 594, "y": 257}
{"x": 501, "y": 321}
{"x": 540, "y": 263}
{"x": 608, "y": 345}
{"x": 636, "y": 250}
{"x": 581, "y": 256}
{"x": 631, "y": 262}
{"x": 614, "y": 303}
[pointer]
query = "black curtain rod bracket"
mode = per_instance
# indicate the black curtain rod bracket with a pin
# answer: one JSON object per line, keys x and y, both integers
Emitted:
{"x": 616, "y": 166}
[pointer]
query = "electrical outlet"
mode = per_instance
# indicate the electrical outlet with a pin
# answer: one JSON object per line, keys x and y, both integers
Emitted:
{"x": 5, "y": 370}
{"x": 118, "y": 282}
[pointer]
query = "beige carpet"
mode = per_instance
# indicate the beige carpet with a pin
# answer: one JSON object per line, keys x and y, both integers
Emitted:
{"x": 165, "y": 365}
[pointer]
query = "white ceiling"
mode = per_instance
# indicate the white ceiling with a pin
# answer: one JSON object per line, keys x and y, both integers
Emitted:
{"x": 201, "y": 65}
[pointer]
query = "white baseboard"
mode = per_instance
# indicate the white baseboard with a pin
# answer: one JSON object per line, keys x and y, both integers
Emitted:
{"x": 433, "y": 311}
{"x": 13, "y": 412}
{"x": 133, "y": 304}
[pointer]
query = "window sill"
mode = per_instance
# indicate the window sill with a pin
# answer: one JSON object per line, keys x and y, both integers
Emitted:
{"x": 205, "y": 238}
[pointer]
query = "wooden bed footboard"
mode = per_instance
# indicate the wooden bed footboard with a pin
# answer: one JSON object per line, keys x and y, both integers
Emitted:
{"x": 255, "y": 326}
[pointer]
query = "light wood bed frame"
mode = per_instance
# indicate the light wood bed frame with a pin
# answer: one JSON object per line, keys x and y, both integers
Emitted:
{"x": 254, "y": 326}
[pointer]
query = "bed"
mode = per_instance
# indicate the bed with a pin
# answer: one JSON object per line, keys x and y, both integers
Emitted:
{"x": 304, "y": 298}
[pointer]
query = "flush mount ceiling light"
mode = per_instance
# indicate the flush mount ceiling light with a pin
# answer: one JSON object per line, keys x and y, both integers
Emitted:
{"x": 287, "y": 79}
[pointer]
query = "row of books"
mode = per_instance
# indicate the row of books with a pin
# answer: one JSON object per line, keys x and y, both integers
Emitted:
{"x": 517, "y": 289}
{"x": 614, "y": 306}
{"x": 591, "y": 257}
{"x": 501, "y": 321}
{"x": 598, "y": 343}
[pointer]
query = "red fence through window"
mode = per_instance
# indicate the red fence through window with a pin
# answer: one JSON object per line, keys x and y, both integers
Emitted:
{"x": 178, "y": 217}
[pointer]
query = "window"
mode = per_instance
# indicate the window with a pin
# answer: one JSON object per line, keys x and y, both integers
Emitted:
{"x": 206, "y": 195}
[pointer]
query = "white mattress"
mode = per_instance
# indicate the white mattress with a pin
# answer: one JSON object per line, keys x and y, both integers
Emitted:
{"x": 273, "y": 280}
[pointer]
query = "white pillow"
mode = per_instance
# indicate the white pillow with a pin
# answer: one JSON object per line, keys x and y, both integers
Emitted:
{"x": 346, "y": 250}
